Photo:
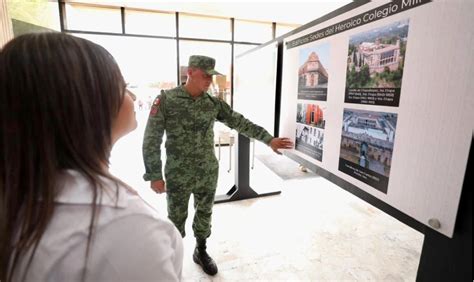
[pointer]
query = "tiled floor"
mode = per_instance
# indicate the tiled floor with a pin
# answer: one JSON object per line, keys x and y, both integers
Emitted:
{"x": 313, "y": 230}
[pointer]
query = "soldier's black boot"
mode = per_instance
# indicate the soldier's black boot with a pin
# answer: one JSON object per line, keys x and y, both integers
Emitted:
{"x": 202, "y": 258}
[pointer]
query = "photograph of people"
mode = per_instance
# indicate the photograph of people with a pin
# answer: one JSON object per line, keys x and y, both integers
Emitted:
{"x": 309, "y": 140}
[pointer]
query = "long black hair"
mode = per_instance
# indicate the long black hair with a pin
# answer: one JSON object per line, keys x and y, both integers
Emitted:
{"x": 59, "y": 96}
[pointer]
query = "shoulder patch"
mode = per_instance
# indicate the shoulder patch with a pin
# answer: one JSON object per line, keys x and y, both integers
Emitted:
{"x": 155, "y": 107}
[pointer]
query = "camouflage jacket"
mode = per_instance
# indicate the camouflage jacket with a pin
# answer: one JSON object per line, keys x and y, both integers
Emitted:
{"x": 189, "y": 126}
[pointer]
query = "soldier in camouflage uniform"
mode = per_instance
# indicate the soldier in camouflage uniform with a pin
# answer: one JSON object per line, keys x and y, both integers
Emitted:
{"x": 187, "y": 114}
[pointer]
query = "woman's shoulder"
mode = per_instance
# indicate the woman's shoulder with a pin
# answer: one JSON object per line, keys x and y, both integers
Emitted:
{"x": 152, "y": 244}
{"x": 137, "y": 247}
{"x": 135, "y": 206}
{"x": 114, "y": 200}
{"x": 129, "y": 235}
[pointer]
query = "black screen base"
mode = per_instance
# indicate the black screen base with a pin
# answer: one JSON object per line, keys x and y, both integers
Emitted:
{"x": 236, "y": 194}
{"x": 242, "y": 190}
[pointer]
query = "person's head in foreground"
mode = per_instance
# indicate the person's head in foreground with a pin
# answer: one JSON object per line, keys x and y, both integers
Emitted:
{"x": 63, "y": 104}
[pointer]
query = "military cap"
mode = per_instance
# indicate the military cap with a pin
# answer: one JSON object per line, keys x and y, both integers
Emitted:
{"x": 204, "y": 63}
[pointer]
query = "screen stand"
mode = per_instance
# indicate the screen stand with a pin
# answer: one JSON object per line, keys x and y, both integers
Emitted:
{"x": 242, "y": 190}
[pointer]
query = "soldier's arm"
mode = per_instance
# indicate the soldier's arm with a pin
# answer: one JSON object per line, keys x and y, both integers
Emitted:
{"x": 244, "y": 126}
{"x": 152, "y": 140}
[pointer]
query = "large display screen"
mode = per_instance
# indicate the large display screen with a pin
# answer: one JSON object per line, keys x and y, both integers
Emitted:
{"x": 381, "y": 97}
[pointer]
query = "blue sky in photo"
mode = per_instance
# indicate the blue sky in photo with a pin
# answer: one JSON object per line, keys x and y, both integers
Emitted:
{"x": 321, "y": 49}
{"x": 381, "y": 29}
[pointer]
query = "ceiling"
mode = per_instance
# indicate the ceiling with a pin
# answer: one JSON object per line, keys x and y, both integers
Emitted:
{"x": 295, "y": 13}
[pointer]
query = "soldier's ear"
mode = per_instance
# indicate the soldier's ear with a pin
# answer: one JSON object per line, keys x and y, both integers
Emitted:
{"x": 189, "y": 71}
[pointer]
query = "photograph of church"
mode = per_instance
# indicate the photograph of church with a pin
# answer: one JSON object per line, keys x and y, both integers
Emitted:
{"x": 313, "y": 74}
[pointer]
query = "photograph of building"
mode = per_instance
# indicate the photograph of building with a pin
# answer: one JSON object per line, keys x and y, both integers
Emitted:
{"x": 313, "y": 74}
{"x": 368, "y": 139}
{"x": 310, "y": 114}
{"x": 376, "y": 57}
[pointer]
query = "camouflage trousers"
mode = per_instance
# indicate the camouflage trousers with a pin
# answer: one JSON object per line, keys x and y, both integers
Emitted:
{"x": 179, "y": 190}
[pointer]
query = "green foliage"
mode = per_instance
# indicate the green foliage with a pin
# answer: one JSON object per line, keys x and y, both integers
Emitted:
{"x": 352, "y": 78}
{"x": 358, "y": 79}
{"x": 364, "y": 75}
{"x": 352, "y": 49}
{"x": 362, "y": 79}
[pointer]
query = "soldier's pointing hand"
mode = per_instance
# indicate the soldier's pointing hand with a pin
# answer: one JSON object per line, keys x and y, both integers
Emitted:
{"x": 281, "y": 143}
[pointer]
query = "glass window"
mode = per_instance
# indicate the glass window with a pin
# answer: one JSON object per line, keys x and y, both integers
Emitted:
{"x": 221, "y": 52}
{"x": 242, "y": 48}
{"x": 255, "y": 72}
{"x": 150, "y": 23}
{"x": 283, "y": 28}
{"x": 33, "y": 16}
{"x": 86, "y": 18}
{"x": 204, "y": 27}
{"x": 147, "y": 64}
{"x": 248, "y": 31}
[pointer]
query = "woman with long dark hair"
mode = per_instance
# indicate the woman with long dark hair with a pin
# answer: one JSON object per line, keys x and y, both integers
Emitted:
{"x": 63, "y": 216}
